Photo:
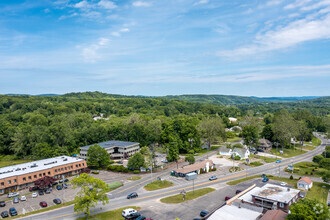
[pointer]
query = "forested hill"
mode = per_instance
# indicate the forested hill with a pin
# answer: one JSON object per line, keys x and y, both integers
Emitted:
{"x": 231, "y": 99}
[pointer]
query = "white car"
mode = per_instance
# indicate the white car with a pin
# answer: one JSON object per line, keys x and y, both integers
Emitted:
{"x": 127, "y": 212}
{"x": 23, "y": 198}
{"x": 13, "y": 194}
{"x": 34, "y": 195}
{"x": 283, "y": 184}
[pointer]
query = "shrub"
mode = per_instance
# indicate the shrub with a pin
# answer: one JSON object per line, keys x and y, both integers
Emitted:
{"x": 303, "y": 166}
{"x": 95, "y": 172}
{"x": 237, "y": 157}
{"x": 317, "y": 158}
{"x": 117, "y": 168}
{"x": 291, "y": 177}
{"x": 136, "y": 171}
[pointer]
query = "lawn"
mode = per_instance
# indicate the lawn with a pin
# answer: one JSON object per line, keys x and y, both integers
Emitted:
{"x": 308, "y": 147}
{"x": 306, "y": 168}
{"x": 115, "y": 185}
{"x": 204, "y": 151}
{"x": 316, "y": 141}
{"x": 134, "y": 178}
{"x": 266, "y": 159}
{"x": 189, "y": 196}
{"x": 255, "y": 164}
{"x": 318, "y": 192}
{"x": 109, "y": 215}
{"x": 234, "y": 139}
{"x": 5, "y": 163}
{"x": 288, "y": 152}
{"x": 158, "y": 184}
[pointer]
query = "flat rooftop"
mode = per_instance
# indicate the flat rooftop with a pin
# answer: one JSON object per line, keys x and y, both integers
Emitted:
{"x": 230, "y": 212}
{"x": 36, "y": 166}
{"x": 109, "y": 144}
{"x": 276, "y": 193}
{"x": 247, "y": 197}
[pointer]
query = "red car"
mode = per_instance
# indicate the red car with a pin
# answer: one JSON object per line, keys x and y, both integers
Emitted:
{"x": 43, "y": 204}
{"x": 227, "y": 198}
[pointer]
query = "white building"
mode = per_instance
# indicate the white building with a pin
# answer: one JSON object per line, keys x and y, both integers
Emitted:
{"x": 305, "y": 183}
{"x": 242, "y": 153}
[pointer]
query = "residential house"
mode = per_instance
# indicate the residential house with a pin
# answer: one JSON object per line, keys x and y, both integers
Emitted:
{"x": 241, "y": 152}
{"x": 232, "y": 120}
{"x": 225, "y": 151}
{"x": 265, "y": 144}
{"x": 305, "y": 183}
{"x": 205, "y": 165}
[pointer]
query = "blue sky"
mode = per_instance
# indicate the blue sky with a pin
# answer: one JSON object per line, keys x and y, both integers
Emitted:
{"x": 155, "y": 47}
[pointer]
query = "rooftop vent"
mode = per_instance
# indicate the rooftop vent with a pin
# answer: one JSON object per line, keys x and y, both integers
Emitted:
{"x": 34, "y": 165}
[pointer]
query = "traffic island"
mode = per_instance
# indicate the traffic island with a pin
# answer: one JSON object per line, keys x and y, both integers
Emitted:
{"x": 109, "y": 215}
{"x": 188, "y": 196}
{"x": 158, "y": 184}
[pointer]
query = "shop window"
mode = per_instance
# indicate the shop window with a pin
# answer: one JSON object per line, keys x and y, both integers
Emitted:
{"x": 30, "y": 177}
{"x": 35, "y": 176}
{"x": 14, "y": 180}
{"x": 24, "y": 178}
{"x": 9, "y": 181}
{"x": 40, "y": 175}
{"x": 48, "y": 173}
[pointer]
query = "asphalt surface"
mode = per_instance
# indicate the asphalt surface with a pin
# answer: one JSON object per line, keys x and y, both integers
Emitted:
{"x": 118, "y": 197}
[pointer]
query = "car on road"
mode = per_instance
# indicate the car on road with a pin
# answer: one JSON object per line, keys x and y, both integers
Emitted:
{"x": 278, "y": 161}
{"x": 283, "y": 184}
{"x": 61, "y": 181}
{"x": 57, "y": 201}
{"x": 227, "y": 198}
{"x": 59, "y": 187}
{"x": 265, "y": 179}
{"x": 12, "y": 211}
{"x": 203, "y": 213}
{"x": 213, "y": 178}
{"x": 54, "y": 184}
{"x": 23, "y": 198}
{"x": 127, "y": 212}
{"x": 13, "y": 194}
{"x": 43, "y": 204}
{"x": 16, "y": 200}
{"x": 41, "y": 192}
{"x": 238, "y": 191}
{"x": 2, "y": 204}
{"x": 4, "y": 214}
{"x": 132, "y": 195}
{"x": 34, "y": 195}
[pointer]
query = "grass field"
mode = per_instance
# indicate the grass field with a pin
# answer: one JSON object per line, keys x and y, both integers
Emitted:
{"x": 110, "y": 215}
{"x": 255, "y": 164}
{"x": 266, "y": 159}
{"x": 234, "y": 139}
{"x": 288, "y": 152}
{"x": 306, "y": 168}
{"x": 134, "y": 178}
{"x": 5, "y": 163}
{"x": 204, "y": 151}
{"x": 189, "y": 196}
{"x": 158, "y": 184}
{"x": 318, "y": 192}
{"x": 115, "y": 185}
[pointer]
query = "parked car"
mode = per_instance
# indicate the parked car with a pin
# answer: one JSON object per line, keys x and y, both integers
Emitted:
{"x": 238, "y": 191}
{"x": 43, "y": 204}
{"x": 61, "y": 181}
{"x": 4, "y": 214}
{"x": 2, "y": 204}
{"x": 265, "y": 179}
{"x": 12, "y": 211}
{"x": 48, "y": 191}
{"x": 65, "y": 186}
{"x": 213, "y": 178}
{"x": 59, "y": 187}
{"x": 260, "y": 150}
{"x": 278, "y": 161}
{"x": 203, "y": 213}
{"x": 34, "y": 195}
{"x": 41, "y": 192}
{"x": 55, "y": 183}
{"x": 34, "y": 188}
{"x": 283, "y": 184}
{"x": 23, "y": 198}
{"x": 13, "y": 194}
{"x": 120, "y": 162}
{"x": 57, "y": 201}
{"x": 263, "y": 175}
{"x": 227, "y": 198}
{"x": 127, "y": 212}
{"x": 133, "y": 215}
{"x": 16, "y": 200}
{"x": 141, "y": 217}
{"x": 66, "y": 180}
{"x": 132, "y": 195}
{"x": 255, "y": 152}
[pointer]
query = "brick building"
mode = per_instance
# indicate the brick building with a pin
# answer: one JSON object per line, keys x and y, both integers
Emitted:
{"x": 20, "y": 176}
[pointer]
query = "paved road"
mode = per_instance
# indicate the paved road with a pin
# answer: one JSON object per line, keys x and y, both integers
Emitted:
{"x": 118, "y": 199}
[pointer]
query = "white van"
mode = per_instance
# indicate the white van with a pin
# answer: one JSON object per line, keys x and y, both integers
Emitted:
{"x": 127, "y": 212}
{"x": 13, "y": 194}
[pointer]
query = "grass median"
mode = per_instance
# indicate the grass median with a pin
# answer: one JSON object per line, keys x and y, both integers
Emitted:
{"x": 109, "y": 215}
{"x": 134, "y": 178}
{"x": 158, "y": 184}
{"x": 189, "y": 196}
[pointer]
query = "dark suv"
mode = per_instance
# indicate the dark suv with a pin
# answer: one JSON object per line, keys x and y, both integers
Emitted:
{"x": 2, "y": 204}
{"x": 132, "y": 195}
{"x": 4, "y": 214}
{"x": 12, "y": 211}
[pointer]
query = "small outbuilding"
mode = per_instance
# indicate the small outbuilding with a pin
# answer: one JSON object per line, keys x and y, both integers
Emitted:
{"x": 305, "y": 183}
{"x": 265, "y": 144}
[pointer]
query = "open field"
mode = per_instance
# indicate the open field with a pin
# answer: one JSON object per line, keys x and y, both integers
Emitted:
{"x": 287, "y": 152}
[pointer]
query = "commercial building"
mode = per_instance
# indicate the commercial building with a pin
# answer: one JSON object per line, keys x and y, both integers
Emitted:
{"x": 205, "y": 165}
{"x": 21, "y": 176}
{"x": 116, "y": 149}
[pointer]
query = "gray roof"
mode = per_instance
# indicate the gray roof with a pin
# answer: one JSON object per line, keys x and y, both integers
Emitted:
{"x": 108, "y": 144}
{"x": 240, "y": 151}
{"x": 276, "y": 193}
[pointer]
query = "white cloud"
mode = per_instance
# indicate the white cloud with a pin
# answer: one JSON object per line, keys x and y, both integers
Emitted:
{"x": 118, "y": 33}
{"x": 201, "y": 2}
{"x": 90, "y": 53}
{"x": 316, "y": 5}
{"x": 68, "y": 16}
{"x": 115, "y": 34}
{"x": 141, "y": 4}
{"x": 82, "y": 5}
{"x": 107, "y": 4}
{"x": 283, "y": 37}
{"x": 124, "y": 30}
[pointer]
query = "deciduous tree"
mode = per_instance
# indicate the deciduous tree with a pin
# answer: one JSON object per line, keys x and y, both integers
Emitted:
{"x": 98, "y": 157}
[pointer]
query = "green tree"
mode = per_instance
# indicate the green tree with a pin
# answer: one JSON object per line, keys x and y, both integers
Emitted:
{"x": 145, "y": 151}
{"x": 250, "y": 135}
{"x": 173, "y": 152}
{"x": 98, "y": 157}
{"x": 92, "y": 191}
{"x": 212, "y": 129}
{"x": 190, "y": 158}
{"x": 326, "y": 176}
{"x": 305, "y": 209}
{"x": 317, "y": 158}
{"x": 136, "y": 161}
{"x": 325, "y": 163}
{"x": 267, "y": 132}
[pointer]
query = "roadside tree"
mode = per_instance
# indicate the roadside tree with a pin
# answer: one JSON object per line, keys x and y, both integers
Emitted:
{"x": 98, "y": 157}
{"x": 136, "y": 161}
{"x": 190, "y": 158}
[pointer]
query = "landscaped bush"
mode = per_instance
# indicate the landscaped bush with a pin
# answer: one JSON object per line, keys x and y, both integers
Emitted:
{"x": 237, "y": 157}
{"x": 136, "y": 171}
{"x": 117, "y": 168}
{"x": 256, "y": 164}
{"x": 214, "y": 169}
{"x": 95, "y": 172}
{"x": 303, "y": 166}
{"x": 291, "y": 177}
